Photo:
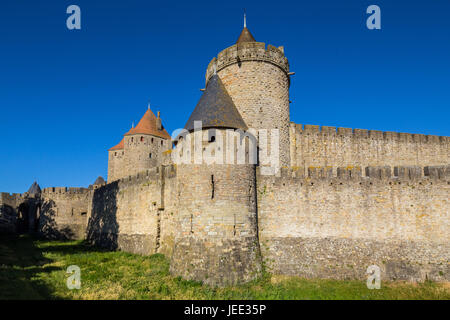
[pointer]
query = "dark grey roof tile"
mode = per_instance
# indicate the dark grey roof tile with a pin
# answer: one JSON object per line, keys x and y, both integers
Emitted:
{"x": 216, "y": 109}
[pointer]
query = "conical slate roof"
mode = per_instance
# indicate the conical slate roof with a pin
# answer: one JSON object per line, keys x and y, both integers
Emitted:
{"x": 34, "y": 189}
{"x": 216, "y": 109}
{"x": 99, "y": 181}
{"x": 148, "y": 125}
{"x": 245, "y": 36}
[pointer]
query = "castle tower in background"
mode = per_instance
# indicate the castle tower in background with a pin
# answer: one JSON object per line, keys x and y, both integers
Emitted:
{"x": 257, "y": 79}
{"x": 140, "y": 149}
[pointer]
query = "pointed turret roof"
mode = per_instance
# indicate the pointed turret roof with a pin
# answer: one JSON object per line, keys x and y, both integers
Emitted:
{"x": 148, "y": 125}
{"x": 245, "y": 36}
{"x": 216, "y": 109}
{"x": 34, "y": 189}
{"x": 99, "y": 181}
{"x": 117, "y": 147}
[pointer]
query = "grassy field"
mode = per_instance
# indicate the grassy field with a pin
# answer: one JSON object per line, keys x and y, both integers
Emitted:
{"x": 34, "y": 269}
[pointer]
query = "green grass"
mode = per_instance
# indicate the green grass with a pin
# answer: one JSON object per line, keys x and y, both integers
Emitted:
{"x": 35, "y": 269}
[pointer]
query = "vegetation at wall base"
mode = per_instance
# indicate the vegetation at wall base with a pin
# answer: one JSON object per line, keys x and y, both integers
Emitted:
{"x": 36, "y": 269}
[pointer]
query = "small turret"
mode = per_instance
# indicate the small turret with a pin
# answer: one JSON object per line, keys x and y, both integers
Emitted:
{"x": 99, "y": 182}
{"x": 35, "y": 189}
{"x": 245, "y": 36}
{"x": 159, "y": 126}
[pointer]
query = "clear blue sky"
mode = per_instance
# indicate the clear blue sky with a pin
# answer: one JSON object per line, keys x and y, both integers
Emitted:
{"x": 67, "y": 96}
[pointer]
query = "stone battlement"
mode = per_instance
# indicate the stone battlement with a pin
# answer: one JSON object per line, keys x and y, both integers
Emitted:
{"x": 141, "y": 177}
{"x": 367, "y": 173}
{"x": 312, "y": 145}
{"x": 64, "y": 190}
{"x": 248, "y": 51}
{"x": 364, "y": 133}
{"x": 5, "y": 196}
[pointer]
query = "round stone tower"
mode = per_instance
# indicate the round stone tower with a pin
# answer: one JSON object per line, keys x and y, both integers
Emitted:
{"x": 257, "y": 79}
{"x": 141, "y": 148}
{"x": 145, "y": 143}
{"x": 217, "y": 238}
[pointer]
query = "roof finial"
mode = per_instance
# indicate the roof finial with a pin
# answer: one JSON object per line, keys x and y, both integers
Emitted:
{"x": 245, "y": 19}
{"x": 132, "y": 124}
{"x": 148, "y": 104}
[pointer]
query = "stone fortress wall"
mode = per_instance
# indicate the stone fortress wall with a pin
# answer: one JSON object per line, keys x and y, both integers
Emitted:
{"x": 64, "y": 212}
{"x": 135, "y": 214}
{"x": 9, "y": 204}
{"x": 313, "y": 146}
{"x": 336, "y": 225}
{"x": 327, "y": 223}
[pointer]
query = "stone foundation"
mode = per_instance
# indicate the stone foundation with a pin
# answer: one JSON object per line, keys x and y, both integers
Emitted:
{"x": 345, "y": 259}
{"x": 219, "y": 262}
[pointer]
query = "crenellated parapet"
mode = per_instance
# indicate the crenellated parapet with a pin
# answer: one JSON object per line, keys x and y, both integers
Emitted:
{"x": 64, "y": 190}
{"x": 308, "y": 129}
{"x": 6, "y": 197}
{"x": 367, "y": 174}
{"x": 312, "y": 145}
{"x": 153, "y": 174}
{"x": 248, "y": 51}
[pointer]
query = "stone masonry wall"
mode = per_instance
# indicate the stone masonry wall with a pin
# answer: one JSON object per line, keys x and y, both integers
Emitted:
{"x": 330, "y": 226}
{"x": 64, "y": 213}
{"x": 135, "y": 214}
{"x": 116, "y": 160}
{"x": 216, "y": 240}
{"x": 313, "y": 146}
{"x": 8, "y": 212}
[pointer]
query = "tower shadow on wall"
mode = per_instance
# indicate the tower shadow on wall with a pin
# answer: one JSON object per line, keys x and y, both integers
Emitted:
{"x": 48, "y": 226}
{"x": 8, "y": 219}
{"x": 103, "y": 228}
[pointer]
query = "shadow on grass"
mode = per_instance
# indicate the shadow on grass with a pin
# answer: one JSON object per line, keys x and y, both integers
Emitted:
{"x": 71, "y": 248}
{"x": 20, "y": 263}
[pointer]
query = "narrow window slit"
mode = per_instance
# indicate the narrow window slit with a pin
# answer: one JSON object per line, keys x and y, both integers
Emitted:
{"x": 212, "y": 186}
